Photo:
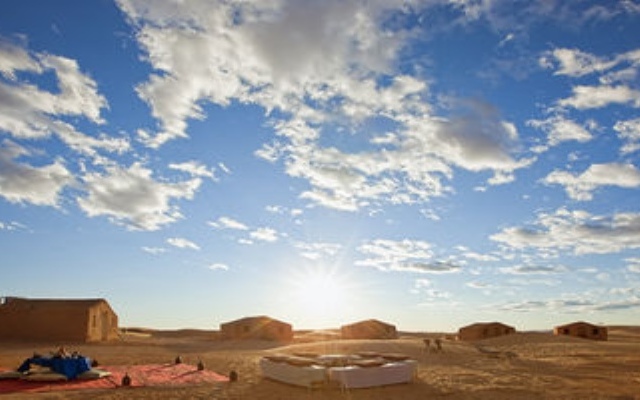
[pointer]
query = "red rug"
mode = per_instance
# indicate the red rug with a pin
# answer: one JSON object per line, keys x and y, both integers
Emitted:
{"x": 141, "y": 375}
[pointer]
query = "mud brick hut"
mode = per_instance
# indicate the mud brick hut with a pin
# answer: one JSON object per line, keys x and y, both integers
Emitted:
{"x": 484, "y": 330}
{"x": 369, "y": 329}
{"x": 59, "y": 320}
{"x": 583, "y": 330}
{"x": 260, "y": 328}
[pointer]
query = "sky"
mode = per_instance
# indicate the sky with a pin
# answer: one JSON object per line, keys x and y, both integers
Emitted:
{"x": 427, "y": 163}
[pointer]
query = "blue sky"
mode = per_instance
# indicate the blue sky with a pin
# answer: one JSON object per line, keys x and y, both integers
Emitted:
{"x": 428, "y": 163}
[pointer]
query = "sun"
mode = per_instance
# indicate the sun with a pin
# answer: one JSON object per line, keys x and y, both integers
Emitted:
{"x": 319, "y": 293}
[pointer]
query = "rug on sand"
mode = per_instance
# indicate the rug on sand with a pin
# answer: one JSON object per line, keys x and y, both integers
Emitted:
{"x": 141, "y": 375}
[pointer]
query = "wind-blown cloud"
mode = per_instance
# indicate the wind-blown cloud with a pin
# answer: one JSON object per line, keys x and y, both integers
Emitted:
{"x": 29, "y": 112}
{"x": 629, "y": 133}
{"x": 633, "y": 264}
{"x": 534, "y": 269}
{"x": 130, "y": 196}
{"x": 218, "y": 267}
{"x": 183, "y": 243}
{"x": 581, "y": 186}
{"x": 588, "y": 97}
{"x": 194, "y": 168}
{"x": 576, "y": 63}
{"x": 312, "y": 65}
{"x": 559, "y": 129}
{"x": 573, "y": 306}
{"x": 23, "y": 183}
{"x": 577, "y": 231}
{"x": 228, "y": 223}
{"x": 404, "y": 255}
{"x": 11, "y": 226}
{"x": 317, "y": 250}
{"x": 265, "y": 234}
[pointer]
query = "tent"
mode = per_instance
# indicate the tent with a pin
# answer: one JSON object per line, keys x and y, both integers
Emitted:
{"x": 61, "y": 320}
{"x": 583, "y": 330}
{"x": 484, "y": 330}
{"x": 369, "y": 329}
{"x": 260, "y": 327}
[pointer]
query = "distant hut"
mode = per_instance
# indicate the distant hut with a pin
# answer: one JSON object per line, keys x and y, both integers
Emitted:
{"x": 582, "y": 330}
{"x": 260, "y": 327}
{"x": 484, "y": 330}
{"x": 369, "y": 329}
{"x": 60, "y": 320}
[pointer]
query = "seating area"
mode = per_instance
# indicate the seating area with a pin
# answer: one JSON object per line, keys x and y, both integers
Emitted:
{"x": 345, "y": 371}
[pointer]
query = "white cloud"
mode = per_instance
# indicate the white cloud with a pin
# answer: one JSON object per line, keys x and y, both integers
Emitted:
{"x": 633, "y": 264}
{"x": 11, "y": 226}
{"x": 154, "y": 250}
{"x": 404, "y": 255}
{"x": 16, "y": 59}
{"x": 29, "y": 112}
{"x": 218, "y": 267}
{"x": 588, "y": 97}
{"x": 270, "y": 51}
{"x": 318, "y": 250}
{"x": 316, "y": 63}
{"x": 23, "y": 183}
{"x": 576, "y": 231}
{"x": 183, "y": 243}
{"x": 130, "y": 196}
{"x": 475, "y": 139}
{"x": 580, "y": 187}
{"x": 560, "y": 306}
{"x": 534, "y": 269}
{"x": 228, "y": 223}
{"x": 560, "y": 129}
{"x": 194, "y": 168}
{"x": 629, "y": 133}
{"x": 575, "y": 63}
{"x": 264, "y": 234}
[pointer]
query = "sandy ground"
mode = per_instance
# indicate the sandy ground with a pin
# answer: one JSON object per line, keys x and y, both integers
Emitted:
{"x": 520, "y": 366}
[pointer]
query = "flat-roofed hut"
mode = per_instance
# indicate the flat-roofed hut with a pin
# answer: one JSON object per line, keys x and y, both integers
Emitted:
{"x": 484, "y": 330}
{"x": 369, "y": 329}
{"x": 582, "y": 329}
{"x": 260, "y": 327}
{"x": 60, "y": 320}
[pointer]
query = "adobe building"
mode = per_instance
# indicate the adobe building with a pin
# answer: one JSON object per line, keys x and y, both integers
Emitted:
{"x": 369, "y": 329}
{"x": 59, "y": 320}
{"x": 484, "y": 330}
{"x": 260, "y": 327}
{"x": 582, "y": 329}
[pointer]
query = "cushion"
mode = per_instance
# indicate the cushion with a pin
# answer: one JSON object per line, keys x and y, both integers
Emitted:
{"x": 11, "y": 375}
{"x": 395, "y": 356}
{"x": 94, "y": 373}
{"x": 277, "y": 357}
{"x": 45, "y": 377}
{"x": 299, "y": 361}
{"x": 306, "y": 354}
{"x": 334, "y": 360}
{"x": 368, "y": 354}
{"x": 369, "y": 362}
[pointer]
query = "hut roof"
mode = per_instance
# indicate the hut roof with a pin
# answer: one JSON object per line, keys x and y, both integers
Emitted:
{"x": 369, "y": 322}
{"x": 485, "y": 324}
{"x": 255, "y": 319}
{"x": 79, "y": 303}
{"x": 577, "y": 323}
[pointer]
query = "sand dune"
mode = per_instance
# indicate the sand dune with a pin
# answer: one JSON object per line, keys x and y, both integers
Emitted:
{"x": 535, "y": 365}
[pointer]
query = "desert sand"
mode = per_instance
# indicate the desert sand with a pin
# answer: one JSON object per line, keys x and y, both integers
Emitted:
{"x": 531, "y": 365}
